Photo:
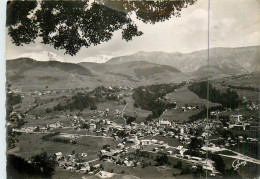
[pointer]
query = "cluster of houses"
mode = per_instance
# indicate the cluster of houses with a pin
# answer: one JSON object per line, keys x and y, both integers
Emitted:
{"x": 45, "y": 128}
{"x": 115, "y": 156}
{"x": 73, "y": 162}
{"x": 42, "y": 93}
{"x": 250, "y": 106}
{"x": 188, "y": 108}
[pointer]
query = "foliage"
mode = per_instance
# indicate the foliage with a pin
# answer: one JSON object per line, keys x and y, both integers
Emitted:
{"x": 10, "y": 138}
{"x": 83, "y": 100}
{"x": 13, "y": 99}
{"x": 66, "y": 141}
{"x": 245, "y": 88}
{"x": 48, "y": 110}
{"x": 161, "y": 160}
{"x": 129, "y": 119}
{"x": 195, "y": 143}
{"x": 229, "y": 99}
{"x": 78, "y": 101}
{"x": 186, "y": 170}
{"x": 37, "y": 129}
{"x": 148, "y": 98}
{"x": 70, "y": 25}
{"x": 232, "y": 174}
{"x": 85, "y": 126}
{"x": 46, "y": 137}
{"x": 16, "y": 119}
{"x": 106, "y": 147}
{"x": 194, "y": 147}
{"x": 121, "y": 134}
{"x": 219, "y": 162}
{"x": 93, "y": 107}
{"x": 203, "y": 113}
{"x": 178, "y": 165}
{"x": 17, "y": 167}
{"x": 41, "y": 166}
{"x": 199, "y": 171}
{"x": 44, "y": 163}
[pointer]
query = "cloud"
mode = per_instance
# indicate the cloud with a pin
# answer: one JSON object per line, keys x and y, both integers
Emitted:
{"x": 37, "y": 47}
{"x": 253, "y": 39}
{"x": 183, "y": 34}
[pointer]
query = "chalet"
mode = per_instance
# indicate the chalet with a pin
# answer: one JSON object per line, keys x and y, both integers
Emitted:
{"x": 84, "y": 155}
{"x": 169, "y": 152}
{"x": 181, "y": 150}
{"x": 145, "y": 142}
{"x": 182, "y": 130}
{"x": 133, "y": 140}
{"x": 58, "y": 155}
{"x": 70, "y": 168}
{"x": 121, "y": 145}
{"x": 92, "y": 126}
{"x": 154, "y": 141}
{"x": 163, "y": 123}
{"x": 128, "y": 163}
{"x": 103, "y": 174}
{"x": 120, "y": 96}
{"x": 84, "y": 169}
{"x": 236, "y": 118}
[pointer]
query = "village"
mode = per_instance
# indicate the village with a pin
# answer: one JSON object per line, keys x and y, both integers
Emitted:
{"x": 149, "y": 139}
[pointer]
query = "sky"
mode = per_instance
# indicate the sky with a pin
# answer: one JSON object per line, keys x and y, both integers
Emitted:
{"x": 233, "y": 23}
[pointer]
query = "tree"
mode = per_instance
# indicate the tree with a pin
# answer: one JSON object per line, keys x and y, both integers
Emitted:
{"x": 70, "y": 25}
{"x": 219, "y": 162}
{"x": 48, "y": 110}
{"x": 161, "y": 160}
{"x": 199, "y": 171}
{"x": 93, "y": 107}
{"x": 37, "y": 129}
{"x": 106, "y": 147}
{"x": 195, "y": 144}
{"x": 129, "y": 119}
{"x": 194, "y": 147}
{"x": 178, "y": 165}
{"x": 44, "y": 163}
{"x": 85, "y": 126}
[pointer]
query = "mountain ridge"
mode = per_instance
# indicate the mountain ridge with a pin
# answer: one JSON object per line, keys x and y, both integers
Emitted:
{"x": 22, "y": 65}
{"x": 245, "y": 58}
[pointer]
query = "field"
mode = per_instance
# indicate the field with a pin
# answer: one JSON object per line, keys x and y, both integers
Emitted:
{"x": 61, "y": 174}
{"x": 169, "y": 140}
{"x": 178, "y": 115}
{"x": 146, "y": 173}
{"x": 131, "y": 110}
{"x": 182, "y": 97}
{"x": 32, "y": 144}
{"x": 251, "y": 80}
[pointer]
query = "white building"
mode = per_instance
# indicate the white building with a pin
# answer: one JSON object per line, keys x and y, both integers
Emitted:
{"x": 164, "y": 123}
{"x": 92, "y": 126}
{"x": 236, "y": 118}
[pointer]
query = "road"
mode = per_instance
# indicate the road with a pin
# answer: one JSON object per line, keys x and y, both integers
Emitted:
{"x": 241, "y": 157}
{"x": 93, "y": 160}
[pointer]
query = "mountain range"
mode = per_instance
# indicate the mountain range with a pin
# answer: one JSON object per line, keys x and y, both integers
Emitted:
{"x": 50, "y": 56}
{"x": 229, "y": 61}
{"x": 136, "y": 69}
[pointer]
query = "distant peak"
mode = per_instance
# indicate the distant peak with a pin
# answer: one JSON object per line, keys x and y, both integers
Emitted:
{"x": 42, "y": 56}
{"x": 97, "y": 59}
